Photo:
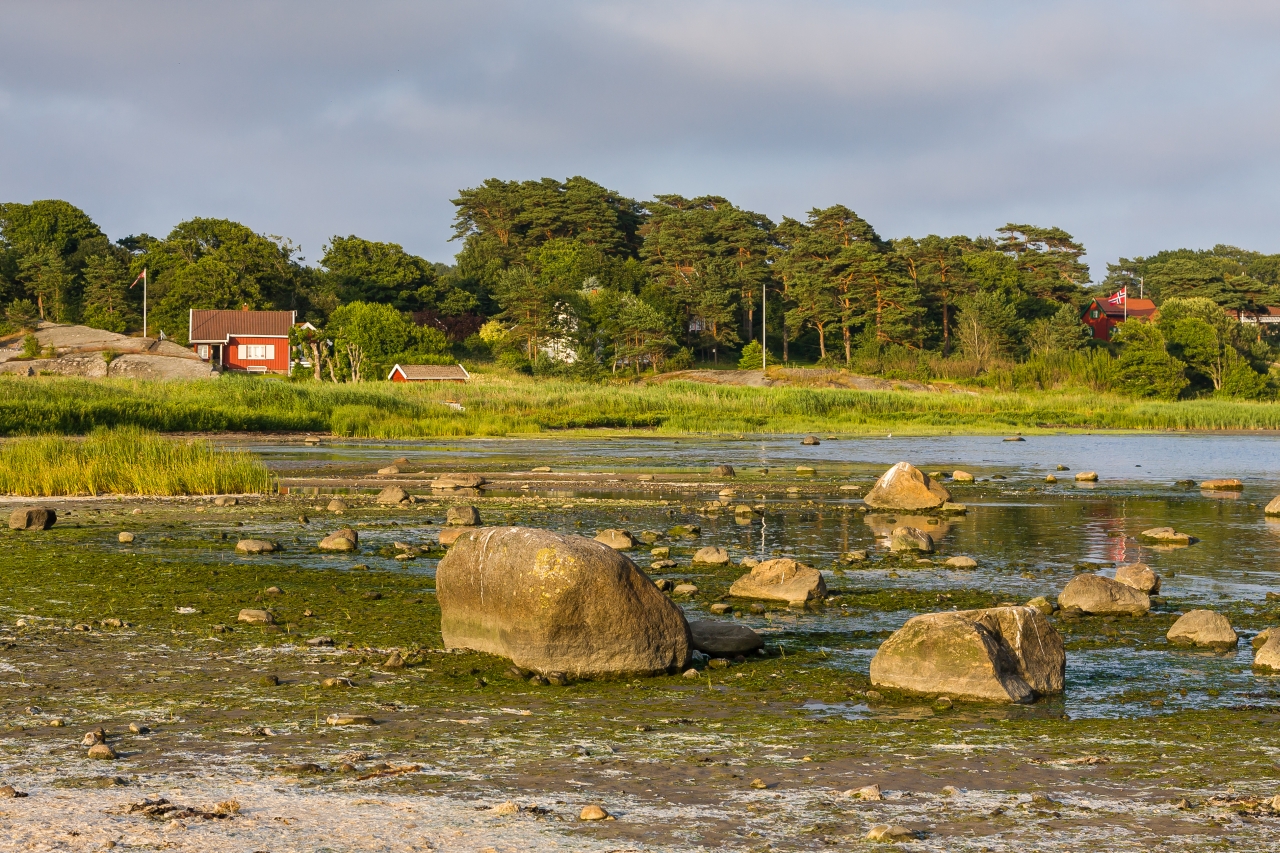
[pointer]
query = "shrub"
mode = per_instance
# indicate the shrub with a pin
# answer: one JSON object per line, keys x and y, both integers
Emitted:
{"x": 752, "y": 356}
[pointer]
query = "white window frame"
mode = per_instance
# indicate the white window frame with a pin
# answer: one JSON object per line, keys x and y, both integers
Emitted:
{"x": 203, "y": 351}
{"x": 256, "y": 352}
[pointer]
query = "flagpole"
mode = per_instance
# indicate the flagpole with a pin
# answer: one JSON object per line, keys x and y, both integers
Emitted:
{"x": 144, "y": 302}
{"x": 764, "y": 326}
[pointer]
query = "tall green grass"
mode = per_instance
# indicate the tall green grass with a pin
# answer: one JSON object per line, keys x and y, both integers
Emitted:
{"x": 126, "y": 461}
{"x": 504, "y": 405}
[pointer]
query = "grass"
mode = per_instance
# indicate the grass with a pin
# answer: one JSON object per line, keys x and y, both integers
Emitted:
{"x": 503, "y": 405}
{"x": 126, "y": 461}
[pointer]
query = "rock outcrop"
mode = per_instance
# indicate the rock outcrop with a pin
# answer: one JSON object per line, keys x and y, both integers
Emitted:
{"x": 782, "y": 579}
{"x": 32, "y": 518}
{"x": 1001, "y": 654}
{"x": 723, "y": 639}
{"x": 556, "y": 603}
{"x": 1203, "y": 628}
{"x": 1101, "y": 596}
{"x": 904, "y": 487}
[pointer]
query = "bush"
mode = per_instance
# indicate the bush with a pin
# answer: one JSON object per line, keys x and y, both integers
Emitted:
{"x": 30, "y": 347}
{"x": 515, "y": 360}
{"x": 1145, "y": 366}
{"x": 752, "y": 356}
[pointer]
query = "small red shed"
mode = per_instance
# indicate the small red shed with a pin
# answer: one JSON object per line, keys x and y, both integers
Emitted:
{"x": 250, "y": 341}
{"x": 429, "y": 373}
{"x": 1102, "y": 315}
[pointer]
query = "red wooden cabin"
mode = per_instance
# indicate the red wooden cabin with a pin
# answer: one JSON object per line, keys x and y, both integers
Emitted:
{"x": 1102, "y": 316}
{"x": 250, "y": 341}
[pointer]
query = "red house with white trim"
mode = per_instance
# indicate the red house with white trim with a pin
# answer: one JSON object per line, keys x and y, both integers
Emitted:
{"x": 1103, "y": 315}
{"x": 249, "y": 341}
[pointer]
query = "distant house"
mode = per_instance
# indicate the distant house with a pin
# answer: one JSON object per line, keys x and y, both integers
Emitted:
{"x": 429, "y": 373}
{"x": 249, "y": 341}
{"x": 1267, "y": 315}
{"x": 1102, "y": 315}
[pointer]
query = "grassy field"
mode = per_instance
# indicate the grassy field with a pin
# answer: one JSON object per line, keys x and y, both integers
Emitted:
{"x": 126, "y": 461}
{"x": 502, "y": 405}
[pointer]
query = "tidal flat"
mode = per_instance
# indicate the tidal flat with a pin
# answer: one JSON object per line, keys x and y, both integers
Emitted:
{"x": 1151, "y": 746}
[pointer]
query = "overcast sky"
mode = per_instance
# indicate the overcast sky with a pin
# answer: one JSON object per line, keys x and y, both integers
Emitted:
{"x": 1137, "y": 126}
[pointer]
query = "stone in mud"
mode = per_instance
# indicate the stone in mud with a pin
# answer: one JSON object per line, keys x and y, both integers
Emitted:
{"x": 337, "y": 505}
{"x": 1267, "y": 655}
{"x": 870, "y": 793}
{"x": 961, "y": 477}
{"x": 1049, "y": 478}
{"x": 859, "y": 556}
{"x": 687, "y": 531}
{"x": 541, "y": 469}
{"x": 458, "y": 481}
{"x": 720, "y": 608}
{"x": 711, "y": 555}
{"x": 256, "y": 546}
{"x": 32, "y": 518}
{"x": 392, "y": 495}
{"x": 345, "y": 539}
{"x": 910, "y": 539}
{"x": 810, "y": 441}
{"x": 125, "y": 537}
{"x": 256, "y": 617}
{"x": 723, "y": 639}
{"x": 463, "y": 516}
{"x": 1203, "y": 628}
{"x": 224, "y": 500}
{"x": 394, "y": 661}
{"x": 320, "y": 642}
{"x": 904, "y": 486}
{"x": 1139, "y": 576}
{"x": 782, "y": 579}
{"x": 961, "y": 562}
{"x": 1000, "y": 654}
{"x": 390, "y": 469}
{"x": 593, "y": 812}
{"x": 889, "y": 832}
{"x": 618, "y": 540}
{"x": 1169, "y": 536}
{"x": 1101, "y": 596}
{"x": 450, "y": 535}
{"x": 552, "y": 602}
{"x": 723, "y": 471}
{"x": 337, "y": 681}
{"x": 1087, "y": 477}
{"x": 662, "y": 565}
{"x": 1224, "y": 485}
{"x": 102, "y": 751}
{"x": 349, "y": 720}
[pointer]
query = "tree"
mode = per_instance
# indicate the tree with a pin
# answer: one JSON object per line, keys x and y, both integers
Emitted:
{"x": 105, "y": 303}
{"x": 1201, "y": 333}
{"x": 23, "y": 314}
{"x": 373, "y": 336}
{"x": 367, "y": 271}
{"x": 1063, "y": 332}
{"x": 1048, "y": 258}
{"x": 46, "y": 278}
{"x": 533, "y": 305}
{"x": 937, "y": 269}
{"x": 1146, "y": 368}
{"x": 986, "y": 327}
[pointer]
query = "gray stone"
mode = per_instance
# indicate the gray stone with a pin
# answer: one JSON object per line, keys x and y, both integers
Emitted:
{"x": 551, "y": 602}
{"x": 392, "y": 495}
{"x": 256, "y": 546}
{"x": 910, "y": 539}
{"x": 906, "y": 487}
{"x": 32, "y": 518}
{"x": 711, "y": 555}
{"x": 125, "y": 537}
{"x": 1101, "y": 596}
{"x": 723, "y": 471}
{"x": 1139, "y": 576}
{"x": 961, "y": 562}
{"x": 345, "y": 539}
{"x": 1203, "y": 628}
{"x": 463, "y": 516}
{"x": 1169, "y": 536}
{"x": 782, "y": 579}
{"x": 337, "y": 505}
{"x": 458, "y": 481}
{"x": 256, "y": 617}
{"x": 723, "y": 639}
{"x": 618, "y": 540}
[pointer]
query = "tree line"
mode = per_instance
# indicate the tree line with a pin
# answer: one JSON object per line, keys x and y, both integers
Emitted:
{"x": 570, "y": 277}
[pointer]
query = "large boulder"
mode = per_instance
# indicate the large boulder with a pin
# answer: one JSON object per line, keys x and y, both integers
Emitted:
{"x": 256, "y": 546}
{"x": 618, "y": 540}
{"x": 782, "y": 579}
{"x": 392, "y": 495}
{"x": 711, "y": 555}
{"x": 723, "y": 471}
{"x": 910, "y": 539}
{"x": 449, "y": 535}
{"x": 32, "y": 518}
{"x": 556, "y": 603}
{"x": 1169, "y": 536}
{"x": 345, "y": 539}
{"x": 904, "y": 486}
{"x": 1273, "y": 508}
{"x": 1267, "y": 654}
{"x": 1139, "y": 576}
{"x": 1002, "y": 654}
{"x": 1103, "y": 597}
{"x": 463, "y": 516}
{"x": 458, "y": 481}
{"x": 1224, "y": 485}
{"x": 723, "y": 639}
{"x": 1203, "y": 628}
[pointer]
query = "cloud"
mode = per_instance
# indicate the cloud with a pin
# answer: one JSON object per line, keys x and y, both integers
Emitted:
{"x": 1135, "y": 125}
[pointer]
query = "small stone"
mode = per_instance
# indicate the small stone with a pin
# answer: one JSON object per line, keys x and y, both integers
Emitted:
{"x": 269, "y": 681}
{"x": 943, "y": 703}
{"x": 1226, "y": 485}
{"x": 711, "y": 556}
{"x": 758, "y": 609}
{"x": 137, "y": 511}
{"x": 720, "y": 608}
{"x": 1086, "y": 476}
{"x": 337, "y": 681}
{"x": 593, "y": 812}
{"x": 691, "y": 673}
{"x": 102, "y": 751}
{"x": 98, "y": 735}
{"x": 124, "y": 537}
{"x": 961, "y": 477}
{"x": 394, "y": 661}
{"x": 256, "y": 546}
{"x": 723, "y": 471}
{"x": 1049, "y": 478}
{"x": 873, "y": 695}
{"x": 759, "y": 784}
{"x": 804, "y": 469}
{"x": 349, "y": 720}
{"x": 273, "y": 590}
{"x": 887, "y": 832}
{"x": 866, "y": 792}
{"x": 337, "y": 505}
{"x": 1042, "y": 604}
{"x": 718, "y": 663}
{"x": 618, "y": 540}
{"x": 661, "y": 552}
{"x": 463, "y": 516}
{"x": 223, "y": 500}
{"x": 345, "y": 539}
{"x": 665, "y": 584}
{"x": 558, "y": 679}
{"x": 685, "y": 589}
{"x": 505, "y": 808}
{"x": 1169, "y": 536}
{"x": 113, "y": 622}
{"x": 961, "y": 562}
{"x": 390, "y": 469}
{"x": 139, "y": 729}
{"x": 256, "y": 617}
{"x": 810, "y": 441}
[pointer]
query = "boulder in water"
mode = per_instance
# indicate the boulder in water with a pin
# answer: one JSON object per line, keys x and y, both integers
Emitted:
{"x": 1203, "y": 628}
{"x": 711, "y": 556}
{"x": 1169, "y": 536}
{"x": 392, "y": 495}
{"x": 345, "y": 539}
{"x": 1001, "y": 654}
{"x": 256, "y": 546}
{"x": 1087, "y": 477}
{"x": 618, "y": 540}
{"x": 1139, "y": 576}
{"x": 463, "y": 516}
{"x": 1223, "y": 485}
{"x": 1267, "y": 654}
{"x": 1101, "y": 596}
{"x": 961, "y": 477}
{"x": 723, "y": 639}
{"x": 904, "y": 486}
{"x": 810, "y": 441}
{"x": 782, "y": 579}
{"x": 556, "y": 603}
{"x": 910, "y": 539}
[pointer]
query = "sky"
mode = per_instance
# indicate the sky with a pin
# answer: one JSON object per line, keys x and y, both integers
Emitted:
{"x": 1136, "y": 126}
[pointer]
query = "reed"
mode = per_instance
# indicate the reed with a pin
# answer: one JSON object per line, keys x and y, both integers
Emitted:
{"x": 126, "y": 461}
{"x": 498, "y": 404}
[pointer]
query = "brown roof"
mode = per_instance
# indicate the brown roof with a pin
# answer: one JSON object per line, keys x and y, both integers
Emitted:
{"x": 217, "y": 327}
{"x": 431, "y": 372}
{"x": 1137, "y": 308}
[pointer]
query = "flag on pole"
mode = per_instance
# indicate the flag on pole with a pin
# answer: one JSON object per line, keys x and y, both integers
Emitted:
{"x": 1120, "y": 297}
{"x": 142, "y": 275}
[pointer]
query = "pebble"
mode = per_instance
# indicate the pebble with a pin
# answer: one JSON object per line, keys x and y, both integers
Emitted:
{"x": 98, "y": 735}
{"x": 866, "y": 792}
{"x": 102, "y": 751}
{"x": 691, "y": 673}
{"x": 593, "y": 812}
{"x": 505, "y": 808}
{"x": 394, "y": 661}
{"x": 125, "y": 537}
{"x": 337, "y": 681}
{"x": 759, "y": 784}
{"x": 349, "y": 720}
{"x": 139, "y": 729}
{"x": 274, "y": 590}
{"x": 256, "y": 617}
{"x": 662, "y": 564}
{"x": 685, "y": 589}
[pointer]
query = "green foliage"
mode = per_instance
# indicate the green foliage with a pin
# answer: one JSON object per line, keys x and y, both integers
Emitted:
{"x": 30, "y": 347}
{"x": 1146, "y": 368}
{"x": 23, "y": 314}
{"x": 752, "y": 357}
{"x": 367, "y": 271}
{"x": 373, "y": 337}
{"x": 987, "y": 327}
{"x": 126, "y": 461}
{"x": 1201, "y": 333}
{"x": 1062, "y": 332}
{"x": 105, "y": 304}
{"x": 1239, "y": 380}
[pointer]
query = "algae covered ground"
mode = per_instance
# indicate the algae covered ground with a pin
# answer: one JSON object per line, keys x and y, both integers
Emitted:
{"x": 1151, "y": 748}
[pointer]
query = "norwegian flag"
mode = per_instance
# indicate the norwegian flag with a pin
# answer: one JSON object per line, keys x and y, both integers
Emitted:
{"x": 141, "y": 277}
{"x": 1120, "y": 296}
